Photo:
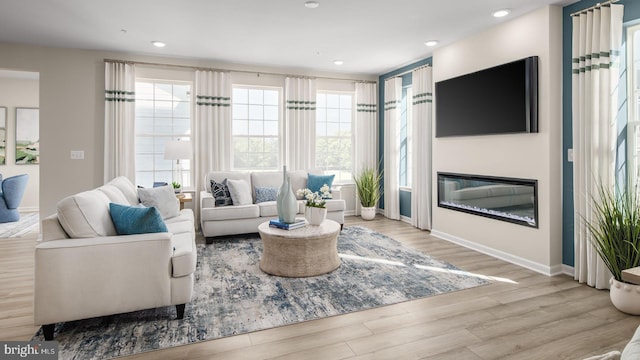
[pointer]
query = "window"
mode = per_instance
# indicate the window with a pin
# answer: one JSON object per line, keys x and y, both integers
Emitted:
{"x": 334, "y": 114}
{"x": 255, "y": 128}
{"x": 405, "y": 136}
{"x": 633, "y": 128}
{"x": 163, "y": 113}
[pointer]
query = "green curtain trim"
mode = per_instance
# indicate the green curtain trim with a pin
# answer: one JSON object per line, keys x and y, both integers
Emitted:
{"x": 207, "y": 103}
{"x": 422, "y": 101}
{"x": 366, "y": 105}
{"x": 310, "y": 108}
{"x": 365, "y": 110}
{"x": 611, "y": 53}
{"x": 302, "y": 102}
{"x": 119, "y": 92}
{"x": 593, "y": 67}
{"x": 118, "y": 99}
{"x": 416, "y": 96}
{"x": 206, "y": 97}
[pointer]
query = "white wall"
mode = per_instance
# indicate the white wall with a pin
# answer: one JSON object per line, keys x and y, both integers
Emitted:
{"x": 72, "y": 110}
{"x": 533, "y": 156}
{"x": 18, "y": 92}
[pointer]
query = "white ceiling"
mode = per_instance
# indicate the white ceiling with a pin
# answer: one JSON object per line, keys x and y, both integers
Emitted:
{"x": 371, "y": 36}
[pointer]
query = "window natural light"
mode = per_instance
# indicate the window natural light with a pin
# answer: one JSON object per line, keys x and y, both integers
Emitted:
{"x": 256, "y": 117}
{"x": 633, "y": 128}
{"x": 163, "y": 113}
{"x": 334, "y": 135}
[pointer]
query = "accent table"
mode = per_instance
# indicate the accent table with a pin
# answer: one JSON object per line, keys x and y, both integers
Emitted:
{"x": 184, "y": 197}
{"x": 307, "y": 251}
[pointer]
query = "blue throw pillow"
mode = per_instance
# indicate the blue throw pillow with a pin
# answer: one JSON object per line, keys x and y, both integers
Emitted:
{"x": 131, "y": 220}
{"x": 315, "y": 182}
{"x": 266, "y": 194}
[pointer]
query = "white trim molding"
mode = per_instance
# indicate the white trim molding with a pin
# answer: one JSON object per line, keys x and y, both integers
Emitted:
{"x": 525, "y": 263}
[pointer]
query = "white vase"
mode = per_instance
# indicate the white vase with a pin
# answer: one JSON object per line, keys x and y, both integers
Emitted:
{"x": 286, "y": 202}
{"x": 315, "y": 215}
{"x": 368, "y": 213}
{"x": 625, "y": 297}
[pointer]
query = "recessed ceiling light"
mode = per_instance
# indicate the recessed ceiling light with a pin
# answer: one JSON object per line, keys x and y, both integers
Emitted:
{"x": 159, "y": 44}
{"x": 338, "y": 62}
{"x": 431, "y": 43}
{"x": 501, "y": 13}
{"x": 311, "y": 4}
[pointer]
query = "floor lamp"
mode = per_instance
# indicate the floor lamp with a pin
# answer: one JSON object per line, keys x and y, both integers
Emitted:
{"x": 177, "y": 150}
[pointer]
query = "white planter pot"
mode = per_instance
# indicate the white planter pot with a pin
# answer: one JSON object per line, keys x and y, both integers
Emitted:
{"x": 315, "y": 215}
{"x": 368, "y": 213}
{"x": 625, "y": 297}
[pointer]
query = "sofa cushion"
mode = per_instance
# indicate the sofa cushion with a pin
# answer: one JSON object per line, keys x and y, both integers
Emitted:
{"x": 240, "y": 192}
{"x": 114, "y": 194}
{"x": 86, "y": 215}
{"x": 130, "y": 220}
{"x": 268, "y": 208}
{"x": 163, "y": 198}
{"x": 264, "y": 194}
{"x": 315, "y": 182}
{"x": 220, "y": 191}
{"x": 127, "y": 188}
{"x": 335, "y": 205}
{"x": 230, "y": 213}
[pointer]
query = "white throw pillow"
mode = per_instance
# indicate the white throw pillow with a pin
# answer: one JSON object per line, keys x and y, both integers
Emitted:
{"x": 240, "y": 192}
{"x": 163, "y": 198}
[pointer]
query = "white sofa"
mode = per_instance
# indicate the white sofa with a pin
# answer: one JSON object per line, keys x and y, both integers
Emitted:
{"x": 242, "y": 219}
{"x": 84, "y": 269}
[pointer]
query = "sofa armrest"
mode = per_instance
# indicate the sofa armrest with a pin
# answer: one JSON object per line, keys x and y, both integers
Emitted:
{"x": 88, "y": 277}
{"x": 207, "y": 200}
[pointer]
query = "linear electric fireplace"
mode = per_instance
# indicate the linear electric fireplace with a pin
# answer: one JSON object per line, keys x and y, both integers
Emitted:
{"x": 506, "y": 199}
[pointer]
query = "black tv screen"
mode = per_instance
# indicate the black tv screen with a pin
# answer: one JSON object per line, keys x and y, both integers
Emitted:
{"x": 498, "y": 100}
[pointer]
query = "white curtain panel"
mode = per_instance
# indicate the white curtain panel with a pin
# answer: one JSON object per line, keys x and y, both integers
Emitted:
{"x": 421, "y": 146}
{"x": 212, "y": 131}
{"x": 366, "y": 129}
{"x": 300, "y": 123}
{"x": 392, "y": 100}
{"x": 597, "y": 36}
{"x": 119, "y": 120}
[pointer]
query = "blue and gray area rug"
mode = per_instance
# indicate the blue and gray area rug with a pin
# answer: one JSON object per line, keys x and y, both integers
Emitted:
{"x": 232, "y": 296}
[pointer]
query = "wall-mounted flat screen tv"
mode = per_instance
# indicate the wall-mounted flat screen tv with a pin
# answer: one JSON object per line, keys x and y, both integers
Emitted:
{"x": 499, "y": 100}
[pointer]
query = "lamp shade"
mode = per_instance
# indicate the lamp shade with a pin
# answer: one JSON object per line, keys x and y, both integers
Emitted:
{"x": 177, "y": 150}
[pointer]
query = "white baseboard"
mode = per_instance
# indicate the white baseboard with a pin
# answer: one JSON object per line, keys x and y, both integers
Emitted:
{"x": 531, "y": 265}
{"x": 350, "y": 213}
{"x": 568, "y": 270}
{"x": 405, "y": 219}
{"x": 28, "y": 209}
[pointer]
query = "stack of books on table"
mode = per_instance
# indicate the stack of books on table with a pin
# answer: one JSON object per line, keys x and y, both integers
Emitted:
{"x": 286, "y": 226}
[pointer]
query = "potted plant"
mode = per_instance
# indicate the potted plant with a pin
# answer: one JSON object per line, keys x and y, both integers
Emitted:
{"x": 315, "y": 210}
{"x": 615, "y": 235}
{"x": 369, "y": 191}
{"x": 177, "y": 188}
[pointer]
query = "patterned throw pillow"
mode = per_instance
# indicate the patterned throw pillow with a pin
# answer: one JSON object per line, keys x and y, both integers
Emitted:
{"x": 264, "y": 194}
{"x": 220, "y": 192}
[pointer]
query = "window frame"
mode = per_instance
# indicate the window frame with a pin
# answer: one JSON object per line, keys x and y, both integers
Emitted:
{"x": 633, "y": 115}
{"x": 279, "y": 137}
{"x": 407, "y": 105}
{"x": 189, "y": 172}
{"x": 352, "y": 137}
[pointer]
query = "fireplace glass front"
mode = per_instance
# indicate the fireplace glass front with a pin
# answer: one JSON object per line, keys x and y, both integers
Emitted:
{"x": 507, "y": 199}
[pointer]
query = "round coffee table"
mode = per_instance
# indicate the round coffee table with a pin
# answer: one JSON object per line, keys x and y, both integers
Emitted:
{"x": 308, "y": 251}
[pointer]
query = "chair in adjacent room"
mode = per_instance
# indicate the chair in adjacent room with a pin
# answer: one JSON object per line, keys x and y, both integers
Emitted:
{"x": 12, "y": 191}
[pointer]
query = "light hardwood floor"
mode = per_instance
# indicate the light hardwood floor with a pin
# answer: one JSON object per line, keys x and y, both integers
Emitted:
{"x": 520, "y": 315}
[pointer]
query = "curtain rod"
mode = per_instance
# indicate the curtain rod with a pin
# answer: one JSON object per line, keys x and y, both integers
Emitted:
{"x": 608, "y": 2}
{"x": 258, "y": 73}
{"x": 408, "y": 71}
